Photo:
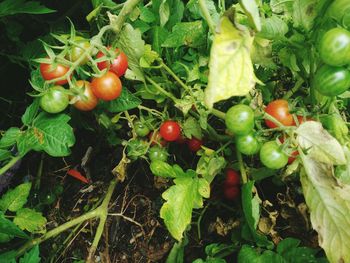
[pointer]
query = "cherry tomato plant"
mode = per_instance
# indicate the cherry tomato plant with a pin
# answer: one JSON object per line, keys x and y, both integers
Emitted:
{"x": 216, "y": 123}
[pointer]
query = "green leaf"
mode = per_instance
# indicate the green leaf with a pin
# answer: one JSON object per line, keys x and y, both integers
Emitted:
{"x": 148, "y": 57}
{"x": 282, "y": 6}
{"x": 305, "y": 12}
{"x": 319, "y": 144}
{"x": 136, "y": 148}
{"x": 287, "y": 244}
{"x": 10, "y": 137}
{"x": 180, "y": 198}
{"x": 301, "y": 255}
{"x": 4, "y": 238}
{"x": 251, "y": 9}
{"x": 273, "y": 28}
{"x": 231, "y": 70}
{"x": 251, "y": 209}
{"x": 147, "y": 15}
{"x": 107, "y": 3}
{"x": 8, "y": 257}
{"x": 190, "y": 34}
{"x": 210, "y": 166}
{"x": 329, "y": 206}
{"x": 247, "y": 254}
{"x": 31, "y": 112}
{"x": 16, "y": 198}
{"x": 30, "y": 220}
{"x": 32, "y": 256}
{"x": 191, "y": 128}
{"x": 163, "y": 169}
{"x": 12, "y": 7}
{"x": 9, "y": 228}
{"x": 194, "y": 7}
{"x": 272, "y": 257}
{"x": 126, "y": 101}
{"x": 177, "y": 253}
{"x": 164, "y": 12}
{"x": 159, "y": 35}
{"x": 50, "y": 133}
{"x": 342, "y": 172}
{"x": 130, "y": 41}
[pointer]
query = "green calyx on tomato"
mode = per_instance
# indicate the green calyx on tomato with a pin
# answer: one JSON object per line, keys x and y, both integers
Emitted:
{"x": 157, "y": 153}
{"x": 54, "y": 100}
{"x": 85, "y": 100}
{"x": 54, "y": 71}
{"x": 272, "y": 156}
{"x": 331, "y": 81}
{"x": 239, "y": 119}
{"x": 279, "y": 109}
{"x": 335, "y": 47}
{"x": 119, "y": 64}
{"x": 107, "y": 87}
{"x": 248, "y": 144}
{"x": 141, "y": 129}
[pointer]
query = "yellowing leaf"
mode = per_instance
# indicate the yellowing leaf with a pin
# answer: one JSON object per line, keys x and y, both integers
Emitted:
{"x": 231, "y": 70}
{"x": 329, "y": 205}
{"x": 320, "y": 145}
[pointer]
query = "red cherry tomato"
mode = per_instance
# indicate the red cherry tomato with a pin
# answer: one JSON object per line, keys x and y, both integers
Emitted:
{"x": 86, "y": 100}
{"x": 231, "y": 192}
{"x": 170, "y": 131}
{"x": 232, "y": 177}
{"x": 108, "y": 87}
{"x": 194, "y": 144}
{"x": 157, "y": 139}
{"x": 49, "y": 71}
{"x": 280, "y": 111}
{"x": 119, "y": 64}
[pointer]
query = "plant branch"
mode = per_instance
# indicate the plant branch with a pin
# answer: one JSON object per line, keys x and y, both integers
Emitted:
{"x": 128, "y": 6}
{"x": 207, "y": 16}
{"x": 11, "y": 163}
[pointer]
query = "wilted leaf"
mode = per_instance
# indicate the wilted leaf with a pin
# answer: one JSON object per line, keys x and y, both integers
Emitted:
{"x": 231, "y": 70}
{"x": 329, "y": 206}
{"x": 251, "y": 9}
{"x": 319, "y": 144}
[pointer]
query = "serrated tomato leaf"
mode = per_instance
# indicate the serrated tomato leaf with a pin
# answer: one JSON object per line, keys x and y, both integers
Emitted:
{"x": 14, "y": 199}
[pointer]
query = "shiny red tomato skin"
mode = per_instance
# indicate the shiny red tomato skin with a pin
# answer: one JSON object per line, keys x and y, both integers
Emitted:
{"x": 119, "y": 64}
{"x": 107, "y": 87}
{"x": 49, "y": 72}
{"x": 87, "y": 100}
{"x": 279, "y": 109}
{"x": 231, "y": 192}
{"x": 232, "y": 177}
{"x": 194, "y": 144}
{"x": 170, "y": 131}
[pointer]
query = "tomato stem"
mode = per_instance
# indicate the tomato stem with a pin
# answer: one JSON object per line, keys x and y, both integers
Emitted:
{"x": 11, "y": 163}
{"x": 218, "y": 113}
{"x": 207, "y": 16}
{"x": 242, "y": 169}
{"x": 296, "y": 87}
{"x": 128, "y": 6}
{"x": 160, "y": 89}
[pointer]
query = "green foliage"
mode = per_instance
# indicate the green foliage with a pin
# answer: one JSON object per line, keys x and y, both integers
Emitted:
{"x": 30, "y": 220}
{"x": 12, "y": 7}
{"x": 16, "y": 198}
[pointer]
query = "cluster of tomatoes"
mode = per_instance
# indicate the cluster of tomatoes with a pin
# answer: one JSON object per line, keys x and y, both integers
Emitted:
{"x": 84, "y": 95}
{"x": 333, "y": 77}
{"x": 240, "y": 121}
{"x": 169, "y": 131}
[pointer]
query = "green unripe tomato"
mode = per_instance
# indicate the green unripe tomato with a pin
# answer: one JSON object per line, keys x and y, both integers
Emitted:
{"x": 141, "y": 129}
{"x": 331, "y": 81}
{"x": 239, "y": 119}
{"x": 339, "y": 10}
{"x": 76, "y": 51}
{"x": 157, "y": 153}
{"x": 272, "y": 156}
{"x": 248, "y": 144}
{"x": 54, "y": 100}
{"x": 335, "y": 47}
